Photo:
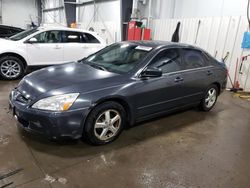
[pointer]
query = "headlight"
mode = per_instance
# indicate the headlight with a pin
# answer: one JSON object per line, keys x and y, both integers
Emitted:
{"x": 56, "y": 103}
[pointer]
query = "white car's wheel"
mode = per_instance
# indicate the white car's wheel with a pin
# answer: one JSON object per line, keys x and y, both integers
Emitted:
{"x": 11, "y": 67}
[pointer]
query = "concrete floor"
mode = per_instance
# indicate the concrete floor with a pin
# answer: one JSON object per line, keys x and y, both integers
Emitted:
{"x": 187, "y": 149}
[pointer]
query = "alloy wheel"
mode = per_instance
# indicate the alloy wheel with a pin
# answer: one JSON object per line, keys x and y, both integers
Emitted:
{"x": 107, "y": 124}
{"x": 210, "y": 98}
{"x": 10, "y": 69}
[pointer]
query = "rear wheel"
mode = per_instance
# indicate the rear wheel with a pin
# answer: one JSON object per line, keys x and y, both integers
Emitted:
{"x": 11, "y": 67}
{"x": 105, "y": 123}
{"x": 209, "y": 98}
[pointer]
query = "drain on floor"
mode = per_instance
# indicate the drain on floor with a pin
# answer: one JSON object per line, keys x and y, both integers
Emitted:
{"x": 11, "y": 173}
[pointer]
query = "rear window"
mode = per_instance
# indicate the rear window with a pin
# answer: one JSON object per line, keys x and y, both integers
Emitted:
{"x": 72, "y": 37}
{"x": 193, "y": 59}
{"x": 91, "y": 38}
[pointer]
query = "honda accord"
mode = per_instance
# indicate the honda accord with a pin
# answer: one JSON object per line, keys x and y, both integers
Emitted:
{"x": 118, "y": 86}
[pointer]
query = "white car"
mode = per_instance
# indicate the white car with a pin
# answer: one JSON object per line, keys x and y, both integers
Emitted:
{"x": 45, "y": 46}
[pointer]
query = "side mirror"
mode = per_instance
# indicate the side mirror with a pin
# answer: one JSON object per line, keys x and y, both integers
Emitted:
{"x": 151, "y": 72}
{"x": 32, "y": 40}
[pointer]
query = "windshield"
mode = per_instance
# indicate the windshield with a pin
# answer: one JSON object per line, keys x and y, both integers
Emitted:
{"x": 23, "y": 34}
{"x": 119, "y": 58}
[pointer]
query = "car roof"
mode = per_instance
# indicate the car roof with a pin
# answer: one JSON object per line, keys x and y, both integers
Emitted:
{"x": 160, "y": 44}
{"x": 63, "y": 28}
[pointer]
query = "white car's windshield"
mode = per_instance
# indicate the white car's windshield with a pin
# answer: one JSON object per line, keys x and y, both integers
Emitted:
{"x": 23, "y": 34}
{"x": 120, "y": 58}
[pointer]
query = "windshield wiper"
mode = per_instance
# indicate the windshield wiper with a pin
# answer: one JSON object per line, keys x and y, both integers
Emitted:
{"x": 81, "y": 60}
{"x": 98, "y": 67}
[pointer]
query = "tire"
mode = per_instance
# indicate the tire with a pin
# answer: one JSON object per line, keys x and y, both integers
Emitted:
{"x": 11, "y": 68}
{"x": 104, "y": 123}
{"x": 210, "y": 98}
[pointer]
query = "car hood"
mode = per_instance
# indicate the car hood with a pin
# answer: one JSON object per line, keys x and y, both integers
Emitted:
{"x": 67, "y": 78}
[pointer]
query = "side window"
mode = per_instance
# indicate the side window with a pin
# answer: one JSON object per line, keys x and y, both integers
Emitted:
{"x": 49, "y": 37}
{"x": 73, "y": 37}
{"x": 90, "y": 38}
{"x": 193, "y": 59}
{"x": 168, "y": 61}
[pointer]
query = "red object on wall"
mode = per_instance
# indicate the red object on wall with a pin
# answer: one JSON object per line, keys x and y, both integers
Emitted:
{"x": 137, "y": 34}
{"x": 134, "y": 32}
{"x": 131, "y": 30}
{"x": 146, "y": 34}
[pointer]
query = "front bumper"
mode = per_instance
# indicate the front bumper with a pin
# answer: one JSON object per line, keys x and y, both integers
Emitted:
{"x": 51, "y": 124}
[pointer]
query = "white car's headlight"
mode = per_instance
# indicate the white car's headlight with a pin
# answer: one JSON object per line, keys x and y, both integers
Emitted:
{"x": 56, "y": 103}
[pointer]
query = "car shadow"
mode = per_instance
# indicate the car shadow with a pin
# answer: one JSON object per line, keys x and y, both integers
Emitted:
{"x": 141, "y": 132}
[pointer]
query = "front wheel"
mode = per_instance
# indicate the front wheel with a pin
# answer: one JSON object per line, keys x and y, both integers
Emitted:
{"x": 209, "y": 98}
{"x": 105, "y": 123}
{"x": 11, "y": 67}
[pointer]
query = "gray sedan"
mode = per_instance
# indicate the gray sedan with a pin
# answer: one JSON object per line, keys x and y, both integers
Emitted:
{"x": 125, "y": 83}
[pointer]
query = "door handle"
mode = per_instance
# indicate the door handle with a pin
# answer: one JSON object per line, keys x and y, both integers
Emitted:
{"x": 57, "y": 47}
{"x": 209, "y": 72}
{"x": 178, "y": 79}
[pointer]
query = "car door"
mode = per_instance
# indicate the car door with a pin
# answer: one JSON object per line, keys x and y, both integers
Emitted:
{"x": 196, "y": 75}
{"x": 156, "y": 95}
{"x": 91, "y": 43}
{"x": 78, "y": 45}
{"x": 47, "y": 48}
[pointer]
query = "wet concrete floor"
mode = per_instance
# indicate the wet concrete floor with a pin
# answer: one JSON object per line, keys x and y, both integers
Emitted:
{"x": 182, "y": 150}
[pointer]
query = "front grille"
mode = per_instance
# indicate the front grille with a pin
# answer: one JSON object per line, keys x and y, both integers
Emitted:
{"x": 17, "y": 96}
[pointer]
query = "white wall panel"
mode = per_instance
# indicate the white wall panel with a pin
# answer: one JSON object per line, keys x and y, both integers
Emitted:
{"x": 53, "y": 17}
{"x": 104, "y": 13}
{"x": 212, "y": 38}
{"x": 209, "y": 8}
{"x": 204, "y": 31}
{"x": 19, "y": 12}
{"x": 221, "y": 37}
{"x": 109, "y": 35}
{"x": 160, "y": 9}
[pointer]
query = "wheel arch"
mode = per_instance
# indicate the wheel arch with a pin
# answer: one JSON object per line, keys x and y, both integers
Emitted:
{"x": 218, "y": 86}
{"x": 15, "y": 55}
{"x": 122, "y": 101}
